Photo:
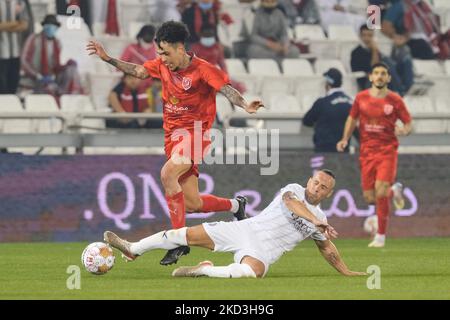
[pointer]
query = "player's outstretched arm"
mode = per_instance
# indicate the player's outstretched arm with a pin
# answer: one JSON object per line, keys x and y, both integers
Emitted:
{"x": 350, "y": 126}
{"x": 331, "y": 254}
{"x": 135, "y": 70}
{"x": 299, "y": 208}
{"x": 237, "y": 99}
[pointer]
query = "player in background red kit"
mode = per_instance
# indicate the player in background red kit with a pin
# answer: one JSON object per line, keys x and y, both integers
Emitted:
{"x": 378, "y": 110}
{"x": 189, "y": 87}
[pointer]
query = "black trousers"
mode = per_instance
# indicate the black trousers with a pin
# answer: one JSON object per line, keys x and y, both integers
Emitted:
{"x": 420, "y": 49}
{"x": 9, "y": 75}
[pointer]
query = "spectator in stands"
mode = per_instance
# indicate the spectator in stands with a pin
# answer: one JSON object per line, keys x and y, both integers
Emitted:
{"x": 269, "y": 38}
{"x": 300, "y": 11}
{"x": 13, "y": 21}
{"x": 412, "y": 23}
{"x": 368, "y": 54}
{"x": 201, "y": 12}
{"x": 208, "y": 48}
{"x": 163, "y": 10}
{"x": 42, "y": 66}
{"x": 339, "y": 12}
{"x": 328, "y": 114}
{"x": 144, "y": 49}
{"x": 131, "y": 96}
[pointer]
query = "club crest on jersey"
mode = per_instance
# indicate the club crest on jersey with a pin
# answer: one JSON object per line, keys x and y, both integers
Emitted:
{"x": 388, "y": 108}
{"x": 186, "y": 83}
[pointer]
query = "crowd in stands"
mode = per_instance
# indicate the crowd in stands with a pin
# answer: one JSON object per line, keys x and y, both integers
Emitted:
{"x": 30, "y": 61}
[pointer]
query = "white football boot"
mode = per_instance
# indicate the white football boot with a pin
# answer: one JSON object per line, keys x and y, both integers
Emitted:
{"x": 195, "y": 271}
{"x": 378, "y": 241}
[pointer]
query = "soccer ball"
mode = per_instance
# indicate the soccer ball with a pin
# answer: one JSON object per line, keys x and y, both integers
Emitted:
{"x": 371, "y": 224}
{"x": 98, "y": 258}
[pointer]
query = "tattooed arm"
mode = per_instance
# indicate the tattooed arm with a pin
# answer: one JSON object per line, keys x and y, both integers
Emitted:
{"x": 237, "y": 99}
{"x": 135, "y": 70}
{"x": 331, "y": 254}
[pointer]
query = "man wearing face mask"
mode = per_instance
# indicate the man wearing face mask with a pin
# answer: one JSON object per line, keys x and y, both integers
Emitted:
{"x": 202, "y": 12}
{"x": 143, "y": 50}
{"x": 209, "y": 49}
{"x": 42, "y": 66}
{"x": 269, "y": 38}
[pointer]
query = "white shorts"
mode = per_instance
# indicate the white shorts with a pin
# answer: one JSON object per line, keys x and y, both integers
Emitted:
{"x": 237, "y": 237}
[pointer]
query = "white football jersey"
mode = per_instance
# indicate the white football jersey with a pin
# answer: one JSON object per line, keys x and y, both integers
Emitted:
{"x": 279, "y": 230}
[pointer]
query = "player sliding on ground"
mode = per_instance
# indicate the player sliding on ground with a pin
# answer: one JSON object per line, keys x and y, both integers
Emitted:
{"x": 189, "y": 92}
{"x": 257, "y": 242}
{"x": 378, "y": 110}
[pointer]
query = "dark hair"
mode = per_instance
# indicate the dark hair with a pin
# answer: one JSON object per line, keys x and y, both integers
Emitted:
{"x": 329, "y": 172}
{"x": 147, "y": 32}
{"x": 363, "y": 28}
{"x": 379, "y": 64}
{"x": 172, "y": 32}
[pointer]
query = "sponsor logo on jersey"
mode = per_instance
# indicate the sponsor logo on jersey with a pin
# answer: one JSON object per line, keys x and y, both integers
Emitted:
{"x": 186, "y": 83}
{"x": 174, "y": 100}
{"x": 388, "y": 108}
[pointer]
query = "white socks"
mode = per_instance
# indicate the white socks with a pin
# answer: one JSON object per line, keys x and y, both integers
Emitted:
{"x": 161, "y": 240}
{"x": 234, "y": 270}
{"x": 234, "y": 205}
{"x": 380, "y": 238}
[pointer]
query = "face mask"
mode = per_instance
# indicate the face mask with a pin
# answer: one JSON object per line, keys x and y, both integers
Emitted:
{"x": 208, "y": 41}
{"x": 205, "y": 6}
{"x": 145, "y": 45}
{"x": 50, "y": 30}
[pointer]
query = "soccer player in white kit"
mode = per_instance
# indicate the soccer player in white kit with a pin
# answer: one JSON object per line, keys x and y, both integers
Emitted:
{"x": 257, "y": 242}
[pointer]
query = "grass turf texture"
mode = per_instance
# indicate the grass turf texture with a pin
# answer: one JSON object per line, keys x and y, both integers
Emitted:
{"x": 410, "y": 269}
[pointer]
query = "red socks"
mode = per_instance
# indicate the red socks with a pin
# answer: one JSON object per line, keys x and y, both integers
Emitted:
{"x": 177, "y": 210}
{"x": 215, "y": 204}
{"x": 383, "y": 207}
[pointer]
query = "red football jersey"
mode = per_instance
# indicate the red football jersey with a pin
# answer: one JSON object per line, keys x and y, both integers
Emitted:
{"x": 190, "y": 94}
{"x": 377, "y": 118}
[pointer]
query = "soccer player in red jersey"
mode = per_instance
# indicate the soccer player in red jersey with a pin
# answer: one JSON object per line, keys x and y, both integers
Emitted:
{"x": 378, "y": 110}
{"x": 189, "y": 87}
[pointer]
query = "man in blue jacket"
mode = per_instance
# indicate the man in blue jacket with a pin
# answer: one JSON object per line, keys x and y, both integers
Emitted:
{"x": 328, "y": 114}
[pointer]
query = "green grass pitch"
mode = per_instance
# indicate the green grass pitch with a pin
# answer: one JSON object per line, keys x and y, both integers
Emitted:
{"x": 410, "y": 269}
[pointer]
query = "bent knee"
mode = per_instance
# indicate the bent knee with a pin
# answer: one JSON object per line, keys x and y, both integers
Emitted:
{"x": 370, "y": 199}
{"x": 193, "y": 205}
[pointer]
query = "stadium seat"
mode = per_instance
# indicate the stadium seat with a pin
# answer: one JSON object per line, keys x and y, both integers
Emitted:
{"x": 132, "y": 11}
{"x": 311, "y": 32}
{"x": 282, "y": 103}
{"x": 342, "y": 32}
{"x": 98, "y": 29}
{"x": 428, "y": 67}
{"x": 40, "y": 103}
{"x": 235, "y": 67}
{"x": 76, "y": 103}
{"x": 263, "y": 67}
{"x": 224, "y": 108}
{"x": 133, "y": 29}
{"x": 40, "y": 8}
{"x": 297, "y": 67}
{"x": 36, "y": 103}
{"x": 12, "y": 104}
{"x": 115, "y": 45}
{"x": 447, "y": 67}
{"x": 443, "y": 105}
{"x": 101, "y": 85}
{"x": 323, "y": 65}
{"x": 237, "y": 71}
{"x": 433, "y": 71}
{"x": 420, "y": 106}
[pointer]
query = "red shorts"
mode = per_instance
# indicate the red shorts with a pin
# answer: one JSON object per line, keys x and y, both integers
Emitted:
{"x": 378, "y": 167}
{"x": 192, "y": 146}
